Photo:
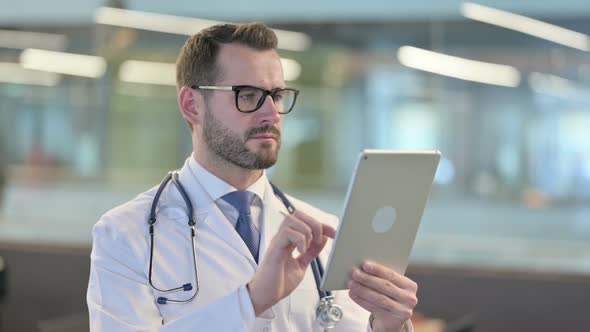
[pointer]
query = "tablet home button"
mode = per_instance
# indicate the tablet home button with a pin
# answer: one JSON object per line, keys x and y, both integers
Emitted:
{"x": 384, "y": 219}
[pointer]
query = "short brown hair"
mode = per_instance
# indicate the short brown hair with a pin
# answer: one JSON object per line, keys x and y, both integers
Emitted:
{"x": 196, "y": 63}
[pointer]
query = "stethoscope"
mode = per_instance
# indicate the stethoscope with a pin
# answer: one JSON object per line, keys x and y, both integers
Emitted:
{"x": 328, "y": 314}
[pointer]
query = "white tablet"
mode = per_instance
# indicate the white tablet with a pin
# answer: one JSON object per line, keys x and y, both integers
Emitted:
{"x": 383, "y": 209}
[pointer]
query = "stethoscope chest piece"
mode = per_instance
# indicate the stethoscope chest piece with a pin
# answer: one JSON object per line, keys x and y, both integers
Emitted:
{"x": 328, "y": 314}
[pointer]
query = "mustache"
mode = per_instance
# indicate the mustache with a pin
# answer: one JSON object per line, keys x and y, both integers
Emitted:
{"x": 263, "y": 130}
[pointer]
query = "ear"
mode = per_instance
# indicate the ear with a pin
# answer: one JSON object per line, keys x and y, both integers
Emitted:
{"x": 190, "y": 104}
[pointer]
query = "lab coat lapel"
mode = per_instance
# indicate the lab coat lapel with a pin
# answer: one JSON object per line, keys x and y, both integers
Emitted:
{"x": 211, "y": 217}
{"x": 274, "y": 212}
{"x": 218, "y": 223}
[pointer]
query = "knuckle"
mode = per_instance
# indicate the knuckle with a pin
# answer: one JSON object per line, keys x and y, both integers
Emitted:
{"x": 383, "y": 302}
{"x": 292, "y": 220}
{"x": 287, "y": 223}
{"x": 301, "y": 215}
{"x": 387, "y": 284}
{"x": 413, "y": 301}
{"x": 392, "y": 275}
{"x": 300, "y": 237}
{"x": 314, "y": 229}
{"x": 361, "y": 276}
{"x": 285, "y": 232}
{"x": 304, "y": 239}
{"x": 308, "y": 230}
{"x": 408, "y": 313}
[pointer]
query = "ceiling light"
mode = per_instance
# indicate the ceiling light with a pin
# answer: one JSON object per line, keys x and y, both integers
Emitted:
{"x": 461, "y": 68}
{"x": 526, "y": 25}
{"x": 181, "y": 25}
{"x": 63, "y": 63}
{"x": 14, "y": 73}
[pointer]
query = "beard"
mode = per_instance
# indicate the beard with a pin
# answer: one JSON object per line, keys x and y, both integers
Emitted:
{"x": 232, "y": 148}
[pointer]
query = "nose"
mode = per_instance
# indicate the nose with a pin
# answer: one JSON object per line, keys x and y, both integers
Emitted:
{"x": 268, "y": 112}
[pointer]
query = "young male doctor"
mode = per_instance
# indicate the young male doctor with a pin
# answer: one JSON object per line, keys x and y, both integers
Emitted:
{"x": 252, "y": 264}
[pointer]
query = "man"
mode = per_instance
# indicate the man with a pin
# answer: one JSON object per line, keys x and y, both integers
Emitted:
{"x": 249, "y": 277}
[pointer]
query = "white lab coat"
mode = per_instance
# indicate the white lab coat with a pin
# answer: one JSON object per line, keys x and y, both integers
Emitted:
{"x": 121, "y": 299}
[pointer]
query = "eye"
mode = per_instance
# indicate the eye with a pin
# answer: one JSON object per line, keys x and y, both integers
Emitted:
{"x": 247, "y": 96}
{"x": 278, "y": 96}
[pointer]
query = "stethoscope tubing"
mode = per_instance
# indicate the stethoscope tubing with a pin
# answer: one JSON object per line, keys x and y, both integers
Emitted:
{"x": 316, "y": 264}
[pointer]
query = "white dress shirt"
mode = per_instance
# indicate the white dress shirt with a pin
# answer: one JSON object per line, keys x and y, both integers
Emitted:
{"x": 217, "y": 188}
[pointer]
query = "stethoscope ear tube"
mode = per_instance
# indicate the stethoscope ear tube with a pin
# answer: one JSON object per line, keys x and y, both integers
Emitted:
{"x": 152, "y": 219}
{"x": 187, "y": 201}
{"x": 173, "y": 175}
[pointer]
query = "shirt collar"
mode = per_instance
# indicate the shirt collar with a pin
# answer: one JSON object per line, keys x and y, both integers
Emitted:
{"x": 217, "y": 188}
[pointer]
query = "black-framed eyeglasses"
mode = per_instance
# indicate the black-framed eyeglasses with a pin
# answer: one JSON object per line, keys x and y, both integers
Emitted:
{"x": 250, "y": 98}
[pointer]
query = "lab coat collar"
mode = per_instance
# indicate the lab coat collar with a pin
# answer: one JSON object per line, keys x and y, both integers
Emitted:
{"x": 216, "y": 187}
{"x": 208, "y": 215}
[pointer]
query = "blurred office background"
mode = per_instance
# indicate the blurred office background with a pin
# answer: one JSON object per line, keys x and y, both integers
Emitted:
{"x": 89, "y": 118}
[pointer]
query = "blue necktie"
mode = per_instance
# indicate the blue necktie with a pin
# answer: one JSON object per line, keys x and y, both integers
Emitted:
{"x": 241, "y": 200}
